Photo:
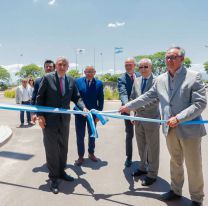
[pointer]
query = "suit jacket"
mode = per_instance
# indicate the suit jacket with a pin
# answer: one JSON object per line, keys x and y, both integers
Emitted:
{"x": 125, "y": 86}
{"x": 92, "y": 96}
{"x": 49, "y": 95}
{"x": 151, "y": 110}
{"x": 35, "y": 91}
{"x": 186, "y": 102}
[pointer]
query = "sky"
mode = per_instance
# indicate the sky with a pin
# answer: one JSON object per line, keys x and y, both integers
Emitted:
{"x": 35, "y": 30}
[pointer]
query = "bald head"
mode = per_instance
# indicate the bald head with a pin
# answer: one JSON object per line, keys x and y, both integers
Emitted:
{"x": 89, "y": 72}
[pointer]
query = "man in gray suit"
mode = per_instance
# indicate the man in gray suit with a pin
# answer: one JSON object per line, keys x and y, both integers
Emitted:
{"x": 125, "y": 82}
{"x": 182, "y": 97}
{"x": 147, "y": 133}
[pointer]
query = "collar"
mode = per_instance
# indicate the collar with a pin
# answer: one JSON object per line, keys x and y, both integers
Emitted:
{"x": 146, "y": 77}
{"x": 177, "y": 72}
{"x": 60, "y": 76}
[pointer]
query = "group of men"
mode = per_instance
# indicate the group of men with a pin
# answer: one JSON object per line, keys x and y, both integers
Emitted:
{"x": 182, "y": 96}
{"x": 179, "y": 91}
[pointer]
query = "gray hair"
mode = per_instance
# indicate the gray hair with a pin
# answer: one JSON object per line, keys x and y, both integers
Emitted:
{"x": 64, "y": 59}
{"x": 181, "y": 50}
{"x": 89, "y": 66}
{"x": 145, "y": 60}
{"x": 130, "y": 59}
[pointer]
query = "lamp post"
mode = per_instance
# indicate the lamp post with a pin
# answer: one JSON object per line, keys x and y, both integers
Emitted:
{"x": 101, "y": 59}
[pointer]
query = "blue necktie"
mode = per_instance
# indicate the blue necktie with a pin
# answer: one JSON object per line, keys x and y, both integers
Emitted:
{"x": 144, "y": 83}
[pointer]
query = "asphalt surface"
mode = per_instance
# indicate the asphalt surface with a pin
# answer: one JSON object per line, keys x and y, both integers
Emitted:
{"x": 23, "y": 173}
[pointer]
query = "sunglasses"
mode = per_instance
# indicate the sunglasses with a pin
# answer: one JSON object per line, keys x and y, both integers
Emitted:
{"x": 145, "y": 67}
{"x": 171, "y": 57}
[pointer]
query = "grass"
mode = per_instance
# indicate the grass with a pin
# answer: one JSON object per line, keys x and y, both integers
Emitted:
{"x": 9, "y": 93}
{"x": 110, "y": 94}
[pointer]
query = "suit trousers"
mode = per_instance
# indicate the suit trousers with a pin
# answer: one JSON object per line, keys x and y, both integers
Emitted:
{"x": 129, "y": 129}
{"x": 148, "y": 142}
{"x": 56, "y": 149}
{"x": 22, "y": 114}
{"x": 80, "y": 124}
{"x": 188, "y": 149}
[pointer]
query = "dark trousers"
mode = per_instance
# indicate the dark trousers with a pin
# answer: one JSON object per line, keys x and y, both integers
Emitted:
{"x": 22, "y": 114}
{"x": 56, "y": 148}
{"x": 80, "y": 124}
{"x": 129, "y": 129}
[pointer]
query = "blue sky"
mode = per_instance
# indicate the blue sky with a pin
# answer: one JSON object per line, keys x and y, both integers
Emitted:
{"x": 41, "y": 29}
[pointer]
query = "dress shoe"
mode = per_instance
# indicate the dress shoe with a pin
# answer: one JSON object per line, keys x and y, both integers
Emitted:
{"x": 169, "y": 196}
{"x": 79, "y": 161}
{"x": 139, "y": 172}
{"x": 54, "y": 186}
{"x": 22, "y": 125}
{"x": 92, "y": 157}
{"x": 128, "y": 163}
{"x": 194, "y": 203}
{"x": 148, "y": 181}
{"x": 66, "y": 177}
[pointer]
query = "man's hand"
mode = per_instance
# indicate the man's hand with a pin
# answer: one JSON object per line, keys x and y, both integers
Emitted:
{"x": 34, "y": 118}
{"x": 172, "y": 122}
{"x": 96, "y": 120}
{"x": 41, "y": 121}
{"x": 85, "y": 110}
{"x": 124, "y": 109}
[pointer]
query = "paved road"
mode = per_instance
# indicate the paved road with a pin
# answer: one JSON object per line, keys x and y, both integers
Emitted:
{"x": 23, "y": 177}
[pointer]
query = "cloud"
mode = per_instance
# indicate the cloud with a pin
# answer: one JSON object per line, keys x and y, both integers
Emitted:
{"x": 116, "y": 24}
{"x": 51, "y": 2}
{"x": 35, "y": 1}
{"x": 0, "y": 45}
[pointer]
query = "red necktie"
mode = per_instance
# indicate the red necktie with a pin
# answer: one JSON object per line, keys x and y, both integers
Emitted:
{"x": 132, "y": 78}
{"x": 61, "y": 85}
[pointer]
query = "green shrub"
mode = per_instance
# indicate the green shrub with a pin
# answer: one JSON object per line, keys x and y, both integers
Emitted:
{"x": 10, "y": 93}
{"x": 110, "y": 94}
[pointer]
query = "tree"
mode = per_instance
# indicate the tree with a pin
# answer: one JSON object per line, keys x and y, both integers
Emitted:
{"x": 4, "y": 77}
{"x": 109, "y": 78}
{"x": 74, "y": 73}
{"x": 206, "y": 66}
{"x": 31, "y": 70}
{"x": 158, "y": 61}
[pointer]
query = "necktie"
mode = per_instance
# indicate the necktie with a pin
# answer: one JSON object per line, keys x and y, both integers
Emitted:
{"x": 144, "y": 82}
{"x": 88, "y": 83}
{"x": 61, "y": 85}
{"x": 132, "y": 78}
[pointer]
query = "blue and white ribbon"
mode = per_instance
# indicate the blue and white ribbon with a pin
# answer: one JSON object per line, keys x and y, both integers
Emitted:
{"x": 102, "y": 116}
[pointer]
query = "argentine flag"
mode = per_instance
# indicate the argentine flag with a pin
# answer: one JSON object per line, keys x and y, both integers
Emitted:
{"x": 118, "y": 50}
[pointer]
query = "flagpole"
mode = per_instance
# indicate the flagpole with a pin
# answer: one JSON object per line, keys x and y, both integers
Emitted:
{"x": 94, "y": 57}
{"x": 114, "y": 62}
{"x": 101, "y": 58}
{"x": 76, "y": 58}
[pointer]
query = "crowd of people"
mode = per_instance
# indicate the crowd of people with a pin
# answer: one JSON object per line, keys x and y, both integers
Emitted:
{"x": 180, "y": 93}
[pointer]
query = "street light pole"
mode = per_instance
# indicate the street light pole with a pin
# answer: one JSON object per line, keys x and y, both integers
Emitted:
{"x": 101, "y": 58}
{"x": 114, "y": 62}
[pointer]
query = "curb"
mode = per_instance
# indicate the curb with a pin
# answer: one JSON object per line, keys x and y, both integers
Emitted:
{"x": 5, "y": 134}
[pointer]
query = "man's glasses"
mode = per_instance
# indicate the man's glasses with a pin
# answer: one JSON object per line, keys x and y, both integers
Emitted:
{"x": 90, "y": 72}
{"x": 171, "y": 57}
{"x": 143, "y": 67}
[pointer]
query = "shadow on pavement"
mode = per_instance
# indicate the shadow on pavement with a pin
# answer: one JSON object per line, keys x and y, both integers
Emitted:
{"x": 15, "y": 155}
{"x": 42, "y": 168}
{"x": 94, "y": 165}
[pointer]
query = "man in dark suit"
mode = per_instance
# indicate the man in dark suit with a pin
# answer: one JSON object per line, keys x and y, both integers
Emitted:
{"x": 91, "y": 91}
{"x": 57, "y": 90}
{"x": 49, "y": 66}
{"x": 125, "y": 83}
